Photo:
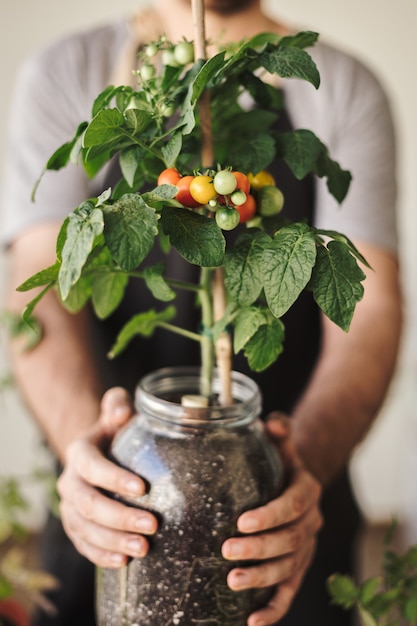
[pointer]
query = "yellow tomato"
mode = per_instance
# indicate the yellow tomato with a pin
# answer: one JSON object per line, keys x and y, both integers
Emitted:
{"x": 261, "y": 179}
{"x": 202, "y": 189}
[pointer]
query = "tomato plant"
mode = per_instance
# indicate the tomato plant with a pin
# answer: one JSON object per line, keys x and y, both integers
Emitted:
{"x": 227, "y": 218}
{"x": 184, "y": 52}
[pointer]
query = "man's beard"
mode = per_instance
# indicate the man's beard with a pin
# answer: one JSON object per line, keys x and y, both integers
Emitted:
{"x": 226, "y": 6}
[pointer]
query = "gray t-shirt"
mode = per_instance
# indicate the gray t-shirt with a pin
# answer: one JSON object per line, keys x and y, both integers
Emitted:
{"x": 55, "y": 90}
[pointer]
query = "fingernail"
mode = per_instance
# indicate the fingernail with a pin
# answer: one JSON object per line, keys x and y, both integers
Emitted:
{"x": 134, "y": 487}
{"x": 248, "y": 524}
{"x": 135, "y": 546}
{"x": 145, "y": 525}
{"x": 232, "y": 550}
{"x": 240, "y": 580}
{"x": 118, "y": 559}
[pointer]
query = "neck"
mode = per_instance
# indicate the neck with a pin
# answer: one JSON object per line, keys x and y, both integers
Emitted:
{"x": 176, "y": 22}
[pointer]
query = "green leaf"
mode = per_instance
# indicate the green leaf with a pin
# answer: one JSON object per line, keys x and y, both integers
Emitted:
{"x": 137, "y": 120}
{"x": 157, "y": 284}
{"x": 366, "y": 617}
{"x": 338, "y": 180}
{"x": 160, "y": 193}
{"x": 172, "y": 149}
{"x": 247, "y": 322}
{"x": 368, "y": 589}
{"x": 84, "y": 225}
{"x": 260, "y": 155}
{"x": 303, "y": 39}
{"x": 44, "y": 277}
{"x": 410, "y": 610}
{"x": 105, "y": 97}
{"x": 206, "y": 74}
{"x": 336, "y": 283}
{"x": 343, "y": 590}
{"x": 143, "y": 324}
{"x": 290, "y": 62}
{"x": 79, "y": 295}
{"x": 265, "y": 345}
{"x": 105, "y": 127}
{"x": 108, "y": 289}
{"x": 197, "y": 238}
{"x": 130, "y": 227}
{"x": 300, "y": 150}
{"x": 243, "y": 267}
{"x": 130, "y": 161}
{"x": 333, "y": 234}
{"x": 287, "y": 265}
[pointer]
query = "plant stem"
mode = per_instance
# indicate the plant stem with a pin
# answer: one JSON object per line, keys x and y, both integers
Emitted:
{"x": 223, "y": 345}
{"x": 207, "y": 352}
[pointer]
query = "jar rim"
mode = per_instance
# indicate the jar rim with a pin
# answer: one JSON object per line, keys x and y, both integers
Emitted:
{"x": 154, "y": 389}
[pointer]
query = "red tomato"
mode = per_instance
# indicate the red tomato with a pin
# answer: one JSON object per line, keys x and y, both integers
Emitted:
{"x": 184, "y": 195}
{"x": 242, "y": 182}
{"x": 169, "y": 176}
{"x": 248, "y": 209}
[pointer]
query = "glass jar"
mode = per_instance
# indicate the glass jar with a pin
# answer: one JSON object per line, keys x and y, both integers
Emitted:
{"x": 204, "y": 467}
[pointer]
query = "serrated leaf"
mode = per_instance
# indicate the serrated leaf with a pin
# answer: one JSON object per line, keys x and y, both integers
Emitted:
{"x": 300, "y": 150}
{"x": 129, "y": 160}
{"x": 290, "y": 62}
{"x": 160, "y": 193}
{"x": 366, "y": 618}
{"x": 172, "y": 149}
{"x": 333, "y": 234}
{"x": 107, "y": 291}
{"x": 368, "y": 589}
{"x": 264, "y": 347}
{"x": 157, "y": 284}
{"x": 243, "y": 267}
{"x": 336, "y": 283}
{"x": 197, "y": 238}
{"x": 84, "y": 225}
{"x": 343, "y": 590}
{"x": 260, "y": 155}
{"x": 143, "y": 324}
{"x": 104, "y": 128}
{"x": 303, "y": 39}
{"x": 338, "y": 179}
{"x": 130, "y": 228}
{"x": 79, "y": 295}
{"x": 247, "y": 322}
{"x": 287, "y": 265}
{"x": 206, "y": 74}
{"x": 137, "y": 120}
{"x": 44, "y": 277}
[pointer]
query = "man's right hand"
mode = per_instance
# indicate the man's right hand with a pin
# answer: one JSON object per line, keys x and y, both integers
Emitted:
{"x": 104, "y": 530}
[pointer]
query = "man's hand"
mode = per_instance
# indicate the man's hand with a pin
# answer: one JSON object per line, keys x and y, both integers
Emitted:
{"x": 282, "y": 533}
{"x": 91, "y": 519}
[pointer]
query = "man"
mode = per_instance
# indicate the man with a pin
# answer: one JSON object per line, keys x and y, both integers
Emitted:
{"x": 331, "y": 383}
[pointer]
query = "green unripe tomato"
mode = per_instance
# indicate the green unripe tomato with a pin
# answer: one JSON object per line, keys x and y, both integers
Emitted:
{"x": 151, "y": 50}
{"x": 270, "y": 200}
{"x": 227, "y": 218}
{"x": 184, "y": 53}
{"x": 147, "y": 72}
{"x": 168, "y": 57}
{"x": 224, "y": 182}
{"x": 238, "y": 197}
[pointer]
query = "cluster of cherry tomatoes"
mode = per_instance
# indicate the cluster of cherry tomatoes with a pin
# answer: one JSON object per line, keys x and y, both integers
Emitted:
{"x": 226, "y": 193}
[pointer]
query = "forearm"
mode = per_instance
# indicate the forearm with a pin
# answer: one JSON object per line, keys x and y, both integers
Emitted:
{"x": 57, "y": 378}
{"x": 352, "y": 375}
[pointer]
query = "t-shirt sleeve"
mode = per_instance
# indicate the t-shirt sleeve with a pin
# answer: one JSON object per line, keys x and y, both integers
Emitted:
{"x": 351, "y": 114}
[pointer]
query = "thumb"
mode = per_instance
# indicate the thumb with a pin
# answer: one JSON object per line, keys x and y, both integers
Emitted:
{"x": 116, "y": 409}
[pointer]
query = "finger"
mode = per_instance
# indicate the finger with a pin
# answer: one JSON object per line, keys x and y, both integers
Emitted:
{"x": 92, "y": 505}
{"x": 273, "y": 572}
{"x": 285, "y": 540}
{"x": 89, "y": 538}
{"x": 94, "y": 468}
{"x": 279, "y": 604}
{"x": 278, "y": 424}
{"x": 295, "y": 501}
{"x": 116, "y": 408}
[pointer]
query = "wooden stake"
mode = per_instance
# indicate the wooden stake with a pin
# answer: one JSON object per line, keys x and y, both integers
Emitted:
{"x": 223, "y": 344}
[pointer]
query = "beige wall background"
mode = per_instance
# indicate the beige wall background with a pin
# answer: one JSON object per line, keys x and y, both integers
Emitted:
{"x": 384, "y": 466}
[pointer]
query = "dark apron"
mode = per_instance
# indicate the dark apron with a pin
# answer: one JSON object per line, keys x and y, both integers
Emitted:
{"x": 281, "y": 386}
